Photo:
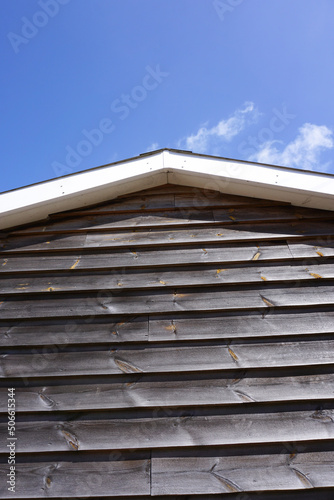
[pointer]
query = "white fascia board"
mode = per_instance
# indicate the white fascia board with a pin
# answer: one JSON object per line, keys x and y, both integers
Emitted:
{"x": 298, "y": 187}
{"x": 36, "y": 202}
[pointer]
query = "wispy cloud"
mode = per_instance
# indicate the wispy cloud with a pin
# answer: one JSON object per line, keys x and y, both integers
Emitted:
{"x": 303, "y": 152}
{"x": 154, "y": 146}
{"x": 206, "y": 138}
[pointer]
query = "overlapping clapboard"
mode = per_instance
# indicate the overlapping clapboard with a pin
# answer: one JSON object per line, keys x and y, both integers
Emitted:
{"x": 172, "y": 342}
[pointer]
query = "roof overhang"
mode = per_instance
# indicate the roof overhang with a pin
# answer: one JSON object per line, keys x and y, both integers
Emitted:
{"x": 298, "y": 187}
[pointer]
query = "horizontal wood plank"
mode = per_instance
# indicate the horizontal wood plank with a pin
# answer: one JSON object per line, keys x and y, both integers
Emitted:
{"x": 180, "y": 216}
{"x": 74, "y": 480}
{"x": 108, "y": 302}
{"x": 319, "y": 247}
{"x": 191, "y": 198}
{"x": 174, "y": 327}
{"x": 164, "y": 278}
{"x": 134, "y": 202}
{"x": 123, "y": 221}
{"x": 173, "y": 236}
{"x": 137, "y": 258}
{"x": 172, "y": 476}
{"x": 165, "y": 393}
{"x": 240, "y": 325}
{"x": 187, "y": 431}
{"x": 145, "y": 257}
{"x": 235, "y": 474}
{"x": 157, "y": 359}
{"x": 66, "y": 332}
{"x": 200, "y": 199}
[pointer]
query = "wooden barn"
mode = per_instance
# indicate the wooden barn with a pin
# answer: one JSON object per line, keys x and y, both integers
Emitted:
{"x": 167, "y": 330}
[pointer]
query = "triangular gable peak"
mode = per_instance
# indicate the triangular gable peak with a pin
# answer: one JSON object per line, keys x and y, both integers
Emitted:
{"x": 170, "y": 214}
{"x": 167, "y": 197}
{"x": 34, "y": 203}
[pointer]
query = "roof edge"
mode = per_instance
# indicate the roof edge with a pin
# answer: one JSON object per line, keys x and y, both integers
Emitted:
{"x": 35, "y": 202}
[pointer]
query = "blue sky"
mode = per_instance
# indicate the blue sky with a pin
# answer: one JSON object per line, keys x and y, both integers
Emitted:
{"x": 89, "y": 82}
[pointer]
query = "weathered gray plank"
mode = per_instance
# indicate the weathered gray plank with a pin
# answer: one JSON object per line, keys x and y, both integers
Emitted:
{"x": 67, "y": 332}
{"x": 122, "y": 221}
{"x": 73, "y": 480}
{"x": 135, "y": 202}
{"x": 233, "y": 474}
{"x": 107, "y": 302}
{"x": 240, "y": 233}
{"x": 169, "y": 188}
{"x": 240, "y": 325}
{"x": 319, "y": 247}
{"x": 41, "y": 243}
{"x": 57, "y": 332}
{"x": 142, "y": 257}
{"x": 200, "y": 475}
{"x": 192, "y": 198}
{"x": 200, "y": 199}
{"x": 115, "y": 259}
{"x": 181, "y": 216}
{"x": 173, "y": 236}
{"x": 152, "y": 359}
{"x": 167, "y": 393}
{"x": 170, "y": 277}
{"x": 136, "y": 433}
{"x": 279, "y": 213}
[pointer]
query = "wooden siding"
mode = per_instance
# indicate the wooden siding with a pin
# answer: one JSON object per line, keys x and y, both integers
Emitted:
{"x": 175, "y": 343}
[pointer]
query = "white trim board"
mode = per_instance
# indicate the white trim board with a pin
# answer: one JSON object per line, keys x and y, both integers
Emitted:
{"x": 298, "y": 187}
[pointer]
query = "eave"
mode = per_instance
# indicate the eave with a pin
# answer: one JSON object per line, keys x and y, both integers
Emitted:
{"x": 298, "y": 187}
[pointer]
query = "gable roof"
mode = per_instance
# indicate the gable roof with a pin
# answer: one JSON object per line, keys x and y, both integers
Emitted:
{"x": 35, "y": 202}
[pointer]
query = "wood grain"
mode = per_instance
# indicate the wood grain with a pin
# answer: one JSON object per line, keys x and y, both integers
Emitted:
{"x": 220, "y": 254}
{"x": 173, "y": 327}
{"x": 145, "y": 392}
{"x": 170, "y": 198}
{"x": 108, "y": 302}
{"x": 145, "y": 257}
{"x": 164, "y": 278}
{"x": 174, "y": 236}
{"x": 167, "y": 432}
{"x": 200, "y": 475}
{"x": 61, "y": 333}
{"x": 162, "y": 359}
{"x": 240, "y": 324}
{"x": 180, "y": 216}
{"x": 74, "y": 480}
{"x": 235, "y": 474}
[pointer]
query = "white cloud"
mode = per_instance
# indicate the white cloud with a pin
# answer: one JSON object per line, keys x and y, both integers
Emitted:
{"x": 224, "y": 130}
{"x": 303, "y": 152}
{"x": 153, "y": 147}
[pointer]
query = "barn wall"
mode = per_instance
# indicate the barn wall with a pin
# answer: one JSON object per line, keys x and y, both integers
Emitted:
{"x": 176, "y": 342}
